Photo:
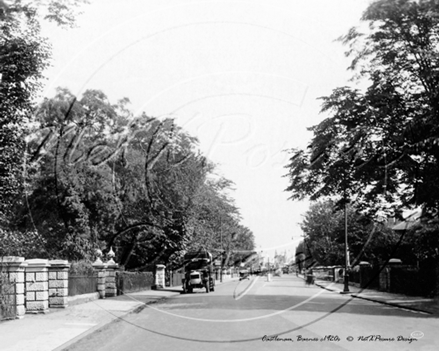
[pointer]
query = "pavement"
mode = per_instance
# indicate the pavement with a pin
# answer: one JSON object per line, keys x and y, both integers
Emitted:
{"x": 424, "y": 305}
{"x": 60, "y": 328}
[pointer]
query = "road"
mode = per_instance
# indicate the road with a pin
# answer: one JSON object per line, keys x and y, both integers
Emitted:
{"x": 256, "y": 314}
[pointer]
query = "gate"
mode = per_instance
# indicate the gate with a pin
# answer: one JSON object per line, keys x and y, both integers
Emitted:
{"x": 176, "y": 279}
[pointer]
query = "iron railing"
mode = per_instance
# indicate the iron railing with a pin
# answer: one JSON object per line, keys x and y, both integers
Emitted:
{"x": 82, "y": 284}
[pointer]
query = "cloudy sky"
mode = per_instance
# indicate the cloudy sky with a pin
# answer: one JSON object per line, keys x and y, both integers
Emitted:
{"x": 242, "y": 76}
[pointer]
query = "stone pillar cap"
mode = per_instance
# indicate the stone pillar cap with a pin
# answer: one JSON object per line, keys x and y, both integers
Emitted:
{"x": 160, "y": 266}
{"x": 11, "y": 259}
{"x": 59, "y": 262}
{"x": 99, "y": 265}
{"x": 38, "y": 262}
{"x": 395, "y": 261}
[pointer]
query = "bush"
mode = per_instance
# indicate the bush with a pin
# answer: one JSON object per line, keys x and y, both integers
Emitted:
{"x": 24, "y": 244}
{"x": 82, "y": 267}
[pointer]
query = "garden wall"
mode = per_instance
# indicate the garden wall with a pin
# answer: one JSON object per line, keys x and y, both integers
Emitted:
{"x": 39, "y": 284}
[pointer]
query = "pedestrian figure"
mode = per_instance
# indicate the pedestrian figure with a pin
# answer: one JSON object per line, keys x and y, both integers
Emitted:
{"x": 310, "y": 278}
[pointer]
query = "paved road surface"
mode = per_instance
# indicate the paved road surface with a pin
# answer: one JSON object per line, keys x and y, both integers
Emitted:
{"x": 283, "y": 314}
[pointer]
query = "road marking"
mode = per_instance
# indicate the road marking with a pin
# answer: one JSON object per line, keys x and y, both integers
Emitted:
{"x": 407, "y": 301}
{"x": 249, "y": 287}
{"x": 85, "y": 324}
{"x": 243, "y": 319}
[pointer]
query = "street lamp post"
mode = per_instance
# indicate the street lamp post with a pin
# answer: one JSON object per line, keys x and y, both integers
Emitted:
{"x": 221, "y": 247}
{"x": 346, "y": 289}
{"x": 231, "y": 238}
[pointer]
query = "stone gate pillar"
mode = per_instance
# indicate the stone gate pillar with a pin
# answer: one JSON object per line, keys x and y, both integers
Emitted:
{"x": 15, "y": 267}
{"x": 37, "y": 287}
{"x": 110, "y": 280}
{"x": 384, "y": 279}
{"x": 160, "y": 276}
{"x": 100, "y": 268}
{"x": 58, "y": 283}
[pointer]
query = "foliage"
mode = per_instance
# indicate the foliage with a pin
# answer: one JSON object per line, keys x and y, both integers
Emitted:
{"x": 22, "y": 244}
{"x": 422, "y": 239}
{"x": 82, "y": 267}
{"x": 324, "y": 229}
{"x": 94, "y": 175}
{"x": 24, "y": 54}
{"x": 98, "y": 177}
{"x": 379, "y": 147}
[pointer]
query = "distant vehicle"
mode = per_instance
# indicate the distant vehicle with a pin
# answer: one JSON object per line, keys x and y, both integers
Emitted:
{"x": 286, "y": 270}
{"x": 244, "y": 274}
{"x": 198, "y": 272}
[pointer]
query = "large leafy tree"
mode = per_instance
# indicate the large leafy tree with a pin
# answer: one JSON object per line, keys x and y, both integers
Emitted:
{"x": 214, "y": 222}
{"x": 379, "y": 146}
{"x": 242, "y": 248}
{"x": 89, "y": 174}
{"x": 324, "y": 229}
{"x": 69, "y": 196}
{"x": 172, "y": 174}
{"x": 98, "y": 177}
{"x": 24, "y": 54}
{"x": 23, "y": 57}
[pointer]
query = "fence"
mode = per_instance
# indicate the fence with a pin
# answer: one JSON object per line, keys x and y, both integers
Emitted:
{"x": 134, "y": 281}
{"x": 369, "y": 277}
{"x": 82, "y": 284}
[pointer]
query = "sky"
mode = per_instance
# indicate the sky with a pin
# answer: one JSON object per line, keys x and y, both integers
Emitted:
{"x": 244, "y": 77}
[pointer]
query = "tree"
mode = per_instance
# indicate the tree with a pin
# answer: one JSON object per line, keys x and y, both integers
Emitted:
{"x": 22, "y": 243}
{"x": 91, "y": 163}
{"x": 324, "y": 229}
{"x": 379, "y": 147}
{"x": 98, "y": 177}
{"x": 24, "y": 55}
